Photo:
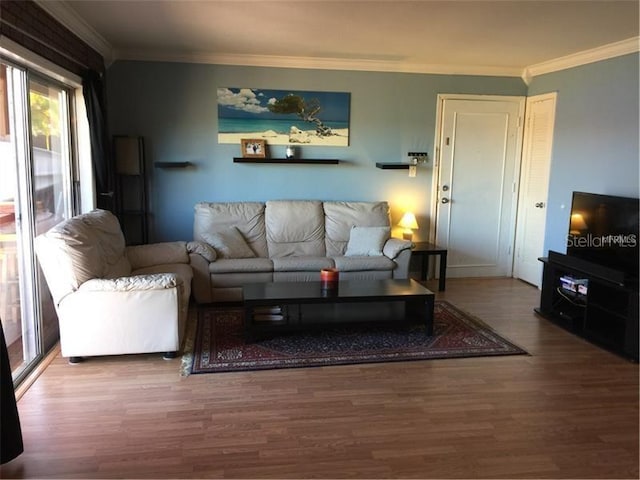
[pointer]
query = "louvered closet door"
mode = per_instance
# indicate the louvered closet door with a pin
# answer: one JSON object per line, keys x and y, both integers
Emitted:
{"x": 534, "y": 183}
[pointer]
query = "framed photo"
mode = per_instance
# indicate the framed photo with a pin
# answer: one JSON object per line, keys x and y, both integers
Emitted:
{"x": 253, "y": 148}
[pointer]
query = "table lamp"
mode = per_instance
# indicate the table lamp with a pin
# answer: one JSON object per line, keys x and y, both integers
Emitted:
{"x": 577, "y": 224}
{"x": 409, "y": 223}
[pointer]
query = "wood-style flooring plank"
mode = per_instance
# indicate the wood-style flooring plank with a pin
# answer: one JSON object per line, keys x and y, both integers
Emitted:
{"x": 567, "y": 410}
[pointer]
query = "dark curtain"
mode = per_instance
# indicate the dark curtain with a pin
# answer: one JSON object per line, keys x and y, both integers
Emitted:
{"x": 10, "y": 431}
{"x": 94, "y": 99}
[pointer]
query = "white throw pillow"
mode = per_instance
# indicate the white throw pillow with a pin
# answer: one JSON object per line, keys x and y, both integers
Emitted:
{"x": 229, "y": 243}
{"x": 367, "y": 241}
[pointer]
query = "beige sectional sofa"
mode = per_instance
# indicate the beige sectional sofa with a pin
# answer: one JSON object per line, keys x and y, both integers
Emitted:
{"x": 236, "y": 243}
{"x": 112, "y": 299}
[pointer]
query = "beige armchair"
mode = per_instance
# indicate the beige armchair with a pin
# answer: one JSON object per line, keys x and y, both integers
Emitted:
{"x": 112, "y": 299}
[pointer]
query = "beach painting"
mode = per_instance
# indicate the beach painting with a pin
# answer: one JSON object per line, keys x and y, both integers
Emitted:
{"x": 283, "y": 117}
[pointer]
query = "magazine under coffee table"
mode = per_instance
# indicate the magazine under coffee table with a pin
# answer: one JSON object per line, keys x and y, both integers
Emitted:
{"x": 289, "y": 306}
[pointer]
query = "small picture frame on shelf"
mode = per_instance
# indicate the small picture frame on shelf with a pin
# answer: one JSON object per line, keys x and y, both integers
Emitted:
{"x": 253, "y": 148}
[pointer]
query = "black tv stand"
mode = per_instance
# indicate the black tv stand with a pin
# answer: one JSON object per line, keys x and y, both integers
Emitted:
{"x": 591, "y": 269}
{"x": 606, "y": 315}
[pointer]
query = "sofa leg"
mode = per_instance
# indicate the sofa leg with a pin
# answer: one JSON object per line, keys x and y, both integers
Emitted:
{"x": 75, "y": 360}
{"x": 169, "y": 355}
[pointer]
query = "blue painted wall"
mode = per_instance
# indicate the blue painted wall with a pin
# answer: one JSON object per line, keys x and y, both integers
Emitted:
{"x": 173, "y": 106}
{"x": 595, "y": 147}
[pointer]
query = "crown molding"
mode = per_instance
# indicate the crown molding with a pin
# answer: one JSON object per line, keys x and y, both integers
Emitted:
{"x": 68, "y": 17}
{"x": 316, "y": 63}
{"x": 605, "y": 52}
{"x": 62, "y": 12}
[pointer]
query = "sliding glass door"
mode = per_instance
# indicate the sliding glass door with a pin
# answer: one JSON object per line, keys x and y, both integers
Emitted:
{"x": 36, "y": 185}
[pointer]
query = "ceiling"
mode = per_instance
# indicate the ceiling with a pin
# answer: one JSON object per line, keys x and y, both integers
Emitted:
{"x": 502, "y": 37}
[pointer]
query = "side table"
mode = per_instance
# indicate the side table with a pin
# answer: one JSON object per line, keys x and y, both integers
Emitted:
{"x": 426, "y": 250}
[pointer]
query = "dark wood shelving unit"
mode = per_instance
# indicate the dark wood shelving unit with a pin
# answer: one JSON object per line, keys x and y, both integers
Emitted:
{"x": 173, "y": 164}
{"x": 393, "y": 165}
{"x": 131, "y": 188}
{"x": 306, "y": 161}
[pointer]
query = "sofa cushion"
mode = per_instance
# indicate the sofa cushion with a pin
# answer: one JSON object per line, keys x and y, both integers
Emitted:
{"x": 340, "y": 217}
{"x": 229, "y": 243}
{"x": 300, "y": 276}
{"x": 236, "y": 280}
{"x": 105, "y": 236}
{"x": 367, "y": 241}
{"x": 301, "y": 264}
{"x": 295, "y": 228}
{"x": 93, "y": 245}
{"x": 366, "y": 275}
{"x": 241, "y": 265}
{"x": 248, "y": 217}
{"x": 350, "y": 264}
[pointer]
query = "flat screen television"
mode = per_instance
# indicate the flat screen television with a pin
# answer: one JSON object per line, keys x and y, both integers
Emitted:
{"x": 603, "y": 229}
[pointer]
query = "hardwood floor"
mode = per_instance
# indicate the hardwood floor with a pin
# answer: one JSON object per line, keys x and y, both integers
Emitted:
{"x": 569, "y": 410}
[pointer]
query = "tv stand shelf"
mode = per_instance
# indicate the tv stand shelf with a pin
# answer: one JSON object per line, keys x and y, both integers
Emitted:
{"x": 606, "y": 315}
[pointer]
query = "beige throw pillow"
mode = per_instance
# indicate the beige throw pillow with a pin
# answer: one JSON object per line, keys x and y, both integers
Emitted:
{"x": 367, "y": 241}
{"x": 229, "y": 243}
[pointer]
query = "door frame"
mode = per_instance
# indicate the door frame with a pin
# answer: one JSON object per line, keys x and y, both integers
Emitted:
{"x": 81, "y": 189}
{"x": 441, "y": 98}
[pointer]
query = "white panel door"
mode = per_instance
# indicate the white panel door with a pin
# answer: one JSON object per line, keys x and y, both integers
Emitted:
{"x": 534, "y": 184}
{"x": 480, "y": 141}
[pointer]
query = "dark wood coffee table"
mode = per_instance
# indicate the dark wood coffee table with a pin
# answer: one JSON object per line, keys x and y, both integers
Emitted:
{"x": 286, "y": 306}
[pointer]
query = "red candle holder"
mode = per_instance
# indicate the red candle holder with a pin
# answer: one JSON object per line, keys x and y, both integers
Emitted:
{"x": 329, "y": 278}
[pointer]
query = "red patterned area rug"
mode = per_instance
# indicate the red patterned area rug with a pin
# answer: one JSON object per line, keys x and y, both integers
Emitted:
{"x": 219, "y": 344}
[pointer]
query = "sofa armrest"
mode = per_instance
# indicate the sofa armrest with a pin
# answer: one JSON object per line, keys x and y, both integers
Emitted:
{"x": 141, "y": 256}
{"x": 155, "y": 281}
{"x": 394, "y": 246}
{"x": 203, "y": 249}
{"x": 201, "y": 283}
{"x": 402, "y": 264}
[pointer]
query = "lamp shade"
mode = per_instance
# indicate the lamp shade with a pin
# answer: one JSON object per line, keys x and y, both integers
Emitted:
{"x": 408, "y": 221}
{"x": 577, "y": 224}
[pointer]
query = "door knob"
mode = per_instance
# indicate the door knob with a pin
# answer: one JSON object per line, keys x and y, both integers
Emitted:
{"x": 540, "y": 205}
{"x": 445, "y": 200}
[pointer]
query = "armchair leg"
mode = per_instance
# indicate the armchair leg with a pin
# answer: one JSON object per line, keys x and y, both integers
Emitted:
{"x": 169, "y": 355}
{"x": 75, "y": 360}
